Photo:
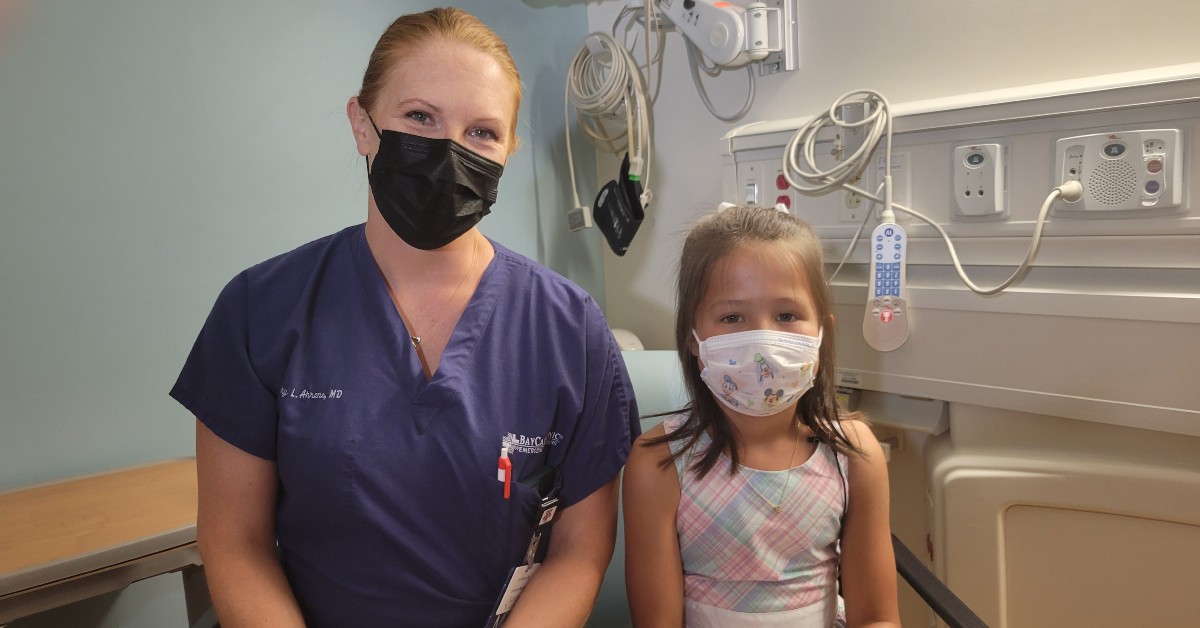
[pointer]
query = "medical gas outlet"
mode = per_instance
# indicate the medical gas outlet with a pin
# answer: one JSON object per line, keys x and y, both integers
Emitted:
{"x": 1122, "y": 171}
{"x": 979, "y": 190}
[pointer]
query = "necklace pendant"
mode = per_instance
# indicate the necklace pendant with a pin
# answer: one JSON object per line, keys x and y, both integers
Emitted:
{"x": 778, "y": 508}
{"x": 416, "y": 340}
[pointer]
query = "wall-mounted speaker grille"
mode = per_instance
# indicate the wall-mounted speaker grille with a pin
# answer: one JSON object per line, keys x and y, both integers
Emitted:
{"x": 1113, "y": 182}
{"x": 1122, "y": 172}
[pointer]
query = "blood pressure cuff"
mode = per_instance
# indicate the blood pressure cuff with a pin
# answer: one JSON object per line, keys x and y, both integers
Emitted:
{"x": 618, "y": 209}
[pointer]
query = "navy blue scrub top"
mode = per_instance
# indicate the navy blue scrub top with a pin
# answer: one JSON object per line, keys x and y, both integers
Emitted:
{"x": 389, "y": 509}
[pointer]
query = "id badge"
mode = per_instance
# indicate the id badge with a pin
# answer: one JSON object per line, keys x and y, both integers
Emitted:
{"x": 543, "y": 481}
{"x": 518, "y": 577}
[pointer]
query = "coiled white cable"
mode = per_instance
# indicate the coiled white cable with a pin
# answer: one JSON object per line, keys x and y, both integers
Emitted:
{"x": 800, "y": 166}
{"x": 802, "y": 173}
{"x": 603, "y": 82}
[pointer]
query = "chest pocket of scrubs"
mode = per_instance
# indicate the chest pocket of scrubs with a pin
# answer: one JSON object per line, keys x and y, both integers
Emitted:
{"x": 525, "y": 512}
{"x": 523, "y": 508}
{"x": 314, "y": 455}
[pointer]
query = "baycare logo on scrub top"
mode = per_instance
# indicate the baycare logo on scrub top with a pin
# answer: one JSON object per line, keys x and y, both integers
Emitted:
{"x": 525, "y": 444}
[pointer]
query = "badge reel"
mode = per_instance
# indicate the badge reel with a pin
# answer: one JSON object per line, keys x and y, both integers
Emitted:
{"x": 542, "y": 481}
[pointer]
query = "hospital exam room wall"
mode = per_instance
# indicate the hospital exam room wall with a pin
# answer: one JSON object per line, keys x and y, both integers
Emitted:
{"x": 908, "y": 51}
{"x": 150, "y": 150}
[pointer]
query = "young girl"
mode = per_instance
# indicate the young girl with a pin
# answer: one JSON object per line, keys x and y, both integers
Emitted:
{"x": 746, "y": 508}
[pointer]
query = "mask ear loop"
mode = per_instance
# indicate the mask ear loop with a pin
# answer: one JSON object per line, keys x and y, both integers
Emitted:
{"x": 372, "y": 121}
{"x": 366, "y": 159}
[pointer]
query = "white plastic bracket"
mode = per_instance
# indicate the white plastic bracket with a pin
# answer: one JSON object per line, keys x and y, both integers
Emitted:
{"x": 788, "y": 58}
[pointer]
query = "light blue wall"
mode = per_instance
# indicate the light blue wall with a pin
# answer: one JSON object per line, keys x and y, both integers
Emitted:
{"x": 543, "y": 36}
{"x": 150, "y": 150}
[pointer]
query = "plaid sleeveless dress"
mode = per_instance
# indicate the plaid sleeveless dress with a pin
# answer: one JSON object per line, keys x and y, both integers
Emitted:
{"x": 741, "y": 556}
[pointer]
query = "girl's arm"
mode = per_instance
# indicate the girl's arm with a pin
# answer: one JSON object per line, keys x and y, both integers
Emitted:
{"x": 236, "y": 533}
{"x": 653, "y": 568}
{"x": 868, "y": 565}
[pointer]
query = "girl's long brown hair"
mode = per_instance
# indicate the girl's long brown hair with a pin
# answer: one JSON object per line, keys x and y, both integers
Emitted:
{"x": 712, "y": 239}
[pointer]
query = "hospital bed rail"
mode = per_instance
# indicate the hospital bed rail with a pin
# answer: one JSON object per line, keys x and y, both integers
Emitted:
{"x": 948, "y": 607}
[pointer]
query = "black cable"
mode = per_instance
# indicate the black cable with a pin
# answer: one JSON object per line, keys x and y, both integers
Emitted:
{"x": 937, "y": 595}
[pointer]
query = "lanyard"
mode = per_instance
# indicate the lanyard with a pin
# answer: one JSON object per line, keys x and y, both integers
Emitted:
{"x": 543, "y": 481}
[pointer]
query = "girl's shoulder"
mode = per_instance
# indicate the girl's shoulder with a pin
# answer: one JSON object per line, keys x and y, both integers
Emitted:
{"x": 859, "y": 433}
{"x": 856, "y": 430}
{"x": 658, "y": 431}
{"x": 655, "y": 443}
{"x": 654, "y": 439}
{"x": 649, "y": 470}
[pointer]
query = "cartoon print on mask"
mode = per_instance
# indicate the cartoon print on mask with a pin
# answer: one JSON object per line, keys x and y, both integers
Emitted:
{"x": 772, "y": 397}
{"x": 764, "y": 369}
{"x": 727, "y": 390}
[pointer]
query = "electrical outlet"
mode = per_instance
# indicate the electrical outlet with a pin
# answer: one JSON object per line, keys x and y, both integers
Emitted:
{"x": 783, "y": 190}
{"x": 853, "y": 200}
{"x": 853, "y": 205}
{"x": 978, "y": 191}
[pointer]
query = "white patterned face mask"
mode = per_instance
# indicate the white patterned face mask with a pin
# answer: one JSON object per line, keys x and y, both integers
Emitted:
{"x": 759, "y": 372}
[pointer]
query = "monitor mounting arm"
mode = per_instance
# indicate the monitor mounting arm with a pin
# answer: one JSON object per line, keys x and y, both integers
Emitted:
{"x": 727, "y": 34}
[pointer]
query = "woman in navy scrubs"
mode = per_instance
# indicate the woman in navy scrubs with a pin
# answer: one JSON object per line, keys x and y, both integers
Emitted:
{"x": 353, "y": 396}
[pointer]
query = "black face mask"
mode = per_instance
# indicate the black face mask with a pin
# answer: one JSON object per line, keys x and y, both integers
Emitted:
{"x": 431, "y": 191}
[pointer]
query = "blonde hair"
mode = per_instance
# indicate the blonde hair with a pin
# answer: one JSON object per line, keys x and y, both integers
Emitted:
{"x": 412, "y": 30}
{"x": 713, "y": 239}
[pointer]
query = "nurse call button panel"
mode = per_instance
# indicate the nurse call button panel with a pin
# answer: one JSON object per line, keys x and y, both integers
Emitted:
{"x": 1122, "y": 171}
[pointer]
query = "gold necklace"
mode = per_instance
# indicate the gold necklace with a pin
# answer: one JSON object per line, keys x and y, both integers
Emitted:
{"x": 416, "y": 340}
{"x": 778, "y": 507}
